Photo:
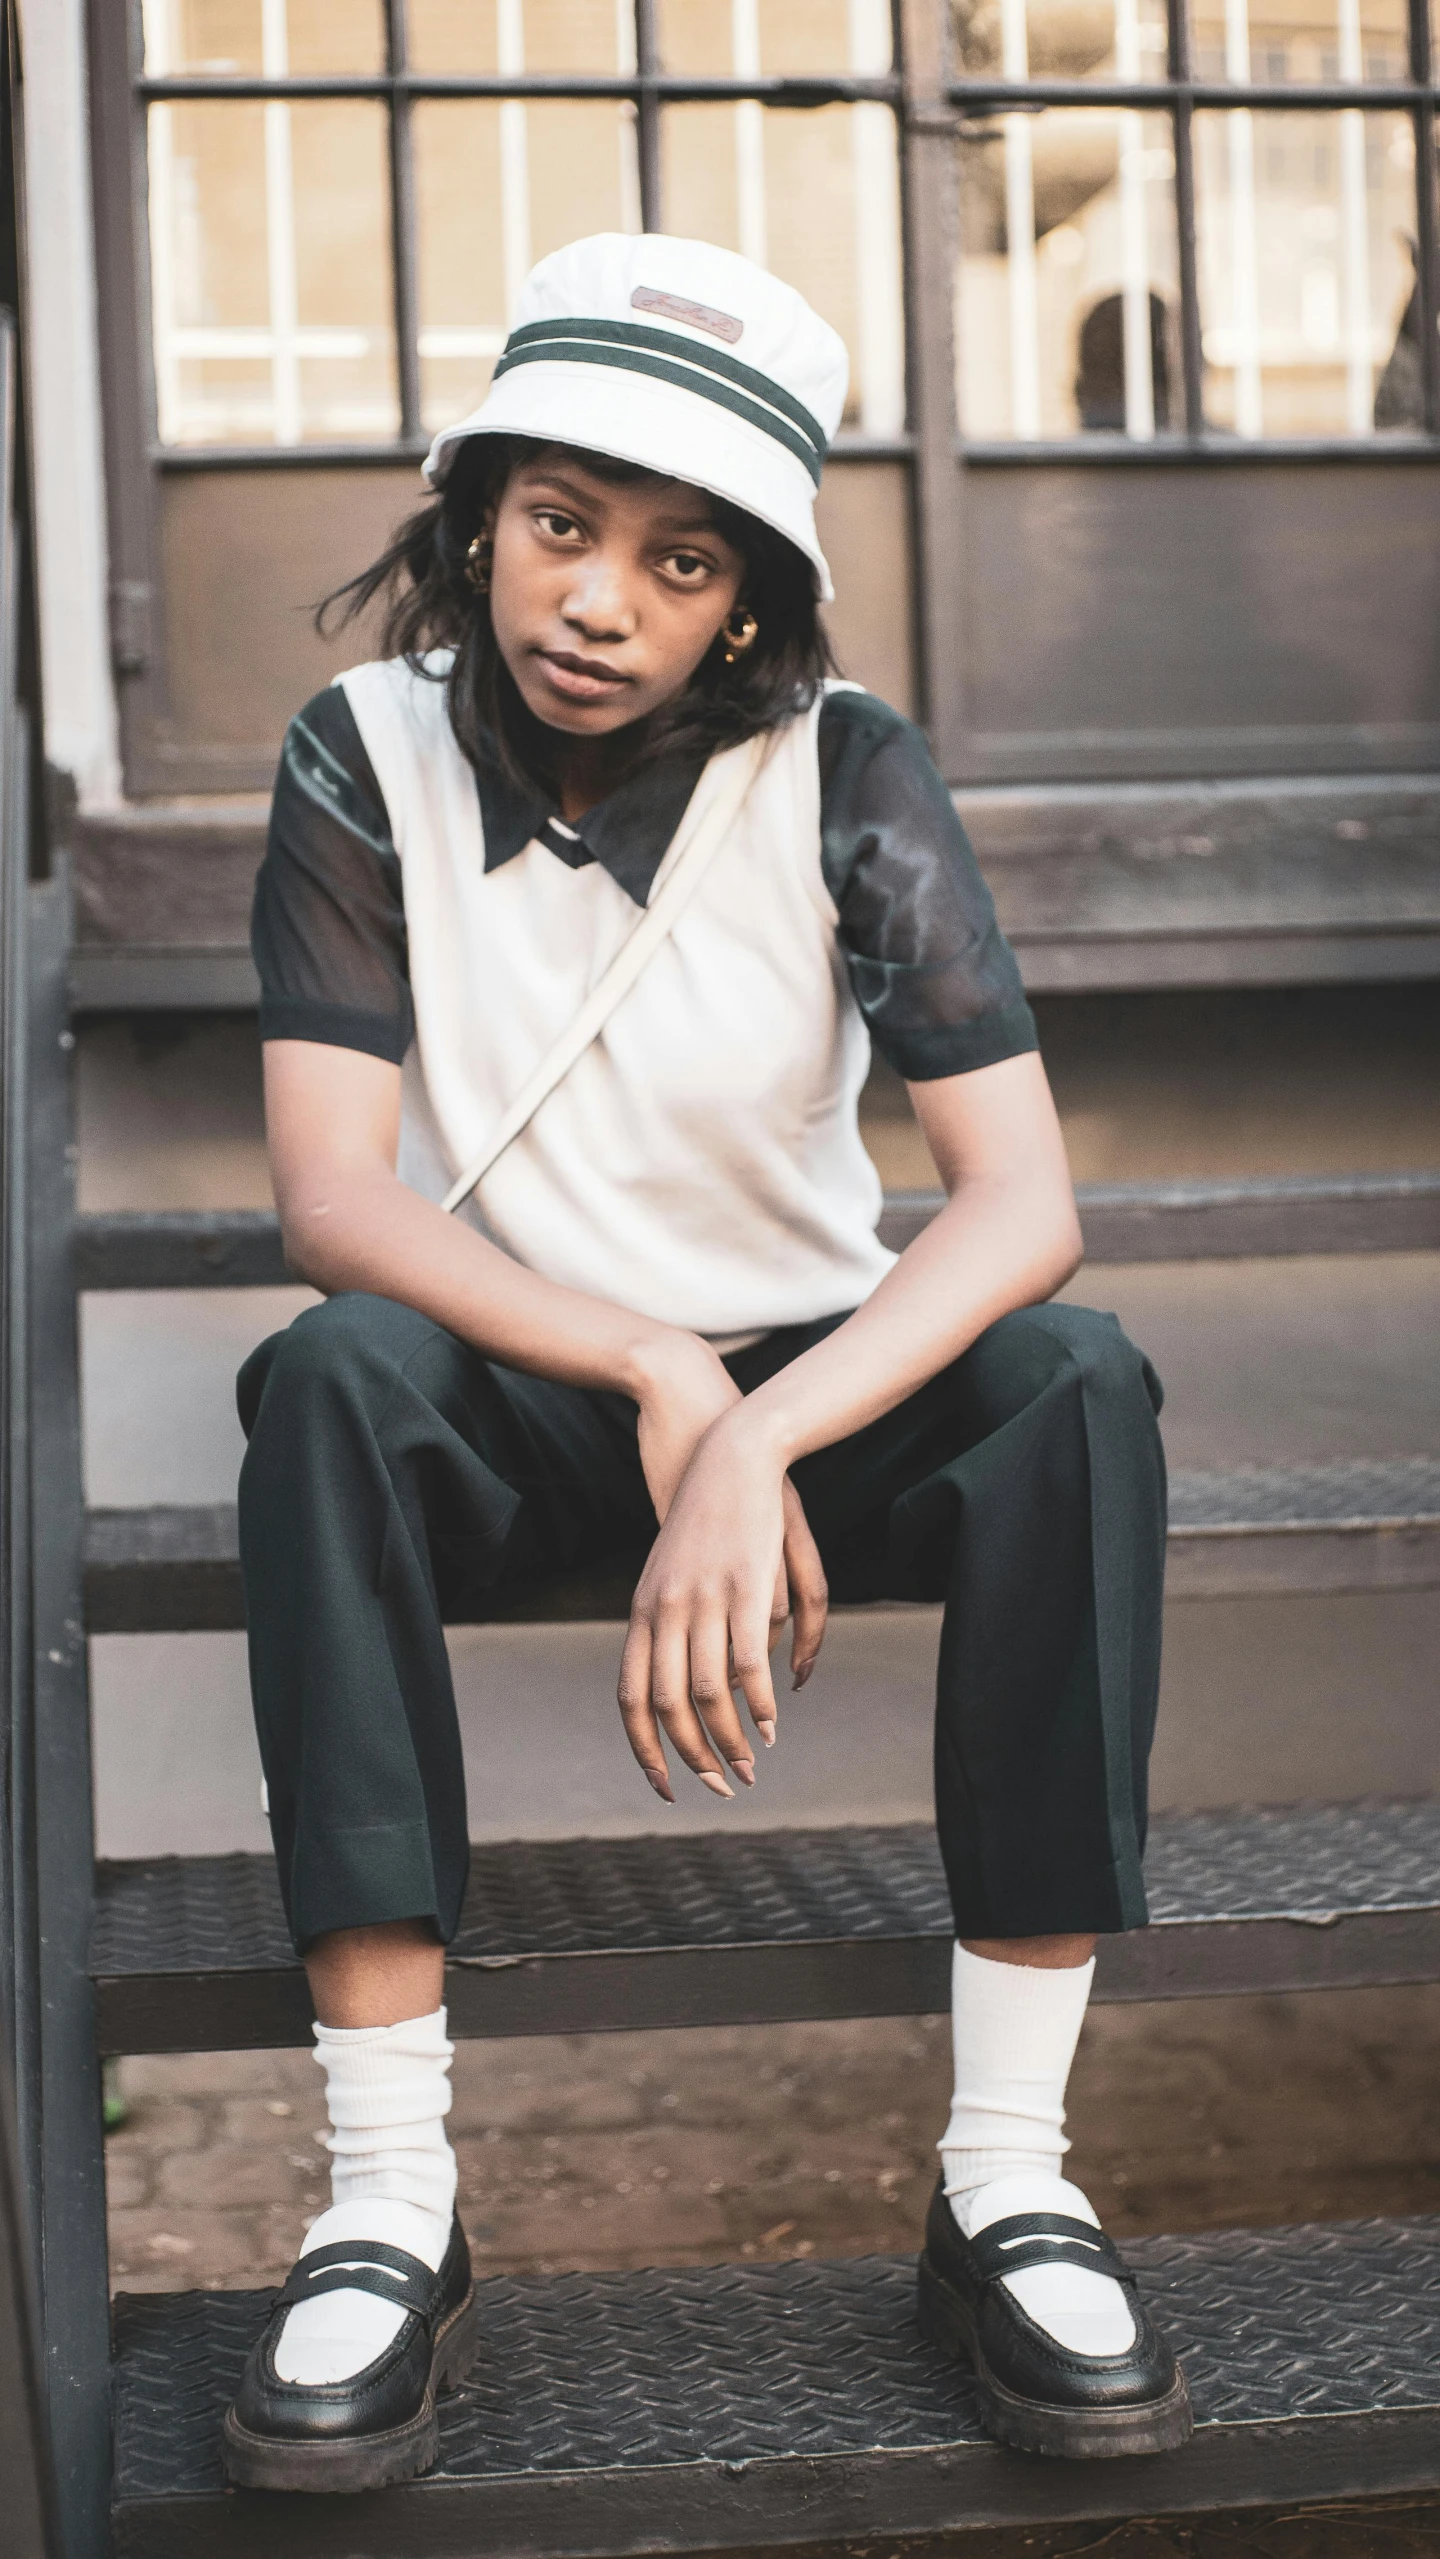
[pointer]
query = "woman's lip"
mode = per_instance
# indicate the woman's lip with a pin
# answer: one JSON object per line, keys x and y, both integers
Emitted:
{"x": 582, "y": 678}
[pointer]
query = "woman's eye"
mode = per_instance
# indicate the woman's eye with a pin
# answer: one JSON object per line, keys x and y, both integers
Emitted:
{"x": 556, "y": 524}
{"x": 687, "y": 565}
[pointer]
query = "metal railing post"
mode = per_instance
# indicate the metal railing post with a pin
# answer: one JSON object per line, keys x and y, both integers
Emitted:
{"x": 31, "y": 2530}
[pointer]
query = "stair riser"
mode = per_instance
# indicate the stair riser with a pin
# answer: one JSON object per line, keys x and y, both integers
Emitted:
{"x": 769, "y": 1985}
{"x": 193, "y": 1595}
{"x": 1193, "y": 1222}
{"x": 800, "y": 2503}
{"x": 1247, "y": 1563}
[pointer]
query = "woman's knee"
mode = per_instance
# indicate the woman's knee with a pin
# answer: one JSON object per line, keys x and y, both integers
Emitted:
{"x": 1036, "y": 1344}
{"x": 1110, "y": 1363}
{"x": 343, "y": 1352}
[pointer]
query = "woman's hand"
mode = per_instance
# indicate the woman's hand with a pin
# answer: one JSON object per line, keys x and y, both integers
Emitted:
{"x": 733, "y": 1559}
{"x": 681, "y": 1386}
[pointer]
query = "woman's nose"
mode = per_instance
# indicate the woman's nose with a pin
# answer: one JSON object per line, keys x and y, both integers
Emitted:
{"x": 599, "y": 604}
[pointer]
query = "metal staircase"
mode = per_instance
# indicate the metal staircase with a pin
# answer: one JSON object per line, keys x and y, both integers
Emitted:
{"x": 747, "y": 2406}
{"x": 739, "y": 2407}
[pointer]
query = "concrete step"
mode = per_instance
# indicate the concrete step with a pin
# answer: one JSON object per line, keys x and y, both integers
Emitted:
{"x": 1367, "y": 1524}
{"x": 755, "y": 2407}
{"x": 587, "y": 1935}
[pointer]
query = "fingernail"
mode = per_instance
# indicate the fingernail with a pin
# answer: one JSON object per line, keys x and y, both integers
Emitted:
{"x": 744, "y": 1770}
{"x": 766, "y": 1732}
{"x": 660, "y": 1786}
{"x": 712, "y": 1778}
{"x": 803, "y": 1672}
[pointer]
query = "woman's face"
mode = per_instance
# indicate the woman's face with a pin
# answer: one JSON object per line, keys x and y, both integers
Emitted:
{"x": 605, "y": 595}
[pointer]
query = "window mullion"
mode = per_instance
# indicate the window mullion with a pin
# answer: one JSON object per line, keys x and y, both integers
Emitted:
{"x": 647, "y": 62}
{"x": 942, "y": 570}
{"x": 1427, "y": 214}
{"x": 1191, "y": 358}
{"x": 402, "y": 227}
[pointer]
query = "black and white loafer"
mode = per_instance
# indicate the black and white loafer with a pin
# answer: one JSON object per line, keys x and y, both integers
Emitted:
{"x": 378, "y": 2425}
{"x": 1036, "y": 2394}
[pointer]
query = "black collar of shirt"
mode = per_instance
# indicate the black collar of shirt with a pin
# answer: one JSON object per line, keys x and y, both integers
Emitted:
{"x": 628, "y": 834}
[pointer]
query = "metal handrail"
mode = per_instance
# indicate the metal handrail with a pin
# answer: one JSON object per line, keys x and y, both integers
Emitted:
{"x": 14, "y": 1483}
{"x": 31, "y": 2528}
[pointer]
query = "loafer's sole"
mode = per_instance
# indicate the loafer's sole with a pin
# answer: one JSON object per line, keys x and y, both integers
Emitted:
{"x": 342, "y": 2465}
{"x": 1035, "y": 2425}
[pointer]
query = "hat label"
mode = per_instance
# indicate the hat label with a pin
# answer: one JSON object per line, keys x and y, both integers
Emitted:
{"x": 700, "y": 315}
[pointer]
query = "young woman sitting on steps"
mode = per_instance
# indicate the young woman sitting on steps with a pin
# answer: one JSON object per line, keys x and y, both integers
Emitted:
{"x": 662, "y": 1331}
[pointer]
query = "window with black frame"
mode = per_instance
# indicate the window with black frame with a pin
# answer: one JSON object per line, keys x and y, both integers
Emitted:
{"x": 344, "y": 196}
{"x": 1215, "y": 223}
{"x": 1218, "y": 220}
{"x": 1071, "y": 232}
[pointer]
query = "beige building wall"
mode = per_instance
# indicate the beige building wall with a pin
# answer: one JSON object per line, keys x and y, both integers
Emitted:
{"x": 81, "y": 729}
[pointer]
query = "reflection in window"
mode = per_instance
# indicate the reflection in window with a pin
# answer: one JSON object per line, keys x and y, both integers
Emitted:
{"x": 698, "y": 37}
{"x": 1272, "y": 41}
{"x": 498, "y": 184}
{"x": 319, "y": 36}
{"x": 270, "y": 221}
{"x": 1059, "y": 39}
{"x": 1066, "y": 291}
{"x": 270, "y": 270}
{"x": 1304, "y": 228}
{"x": 486, "y": 36}
{"x": 815, "y": 197}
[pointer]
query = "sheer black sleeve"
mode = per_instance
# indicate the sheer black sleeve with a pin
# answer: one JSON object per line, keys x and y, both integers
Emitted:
{"x": 328, "y": 929}
{"x": 932, "y": 972}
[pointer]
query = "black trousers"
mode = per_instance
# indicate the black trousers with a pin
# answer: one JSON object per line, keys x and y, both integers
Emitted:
{"x": 396, "y": 1480}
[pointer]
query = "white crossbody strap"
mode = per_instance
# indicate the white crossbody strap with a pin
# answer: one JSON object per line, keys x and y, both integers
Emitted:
{"x": 658, "y": 921}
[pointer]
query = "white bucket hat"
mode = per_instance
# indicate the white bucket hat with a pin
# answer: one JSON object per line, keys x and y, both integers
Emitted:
{"x": 684, "y": 358}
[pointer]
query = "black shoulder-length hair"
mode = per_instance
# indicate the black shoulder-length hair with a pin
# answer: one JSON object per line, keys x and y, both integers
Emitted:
{"x": 430, "y": 604}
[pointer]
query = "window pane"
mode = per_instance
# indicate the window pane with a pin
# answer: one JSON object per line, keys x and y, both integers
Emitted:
{"x": 302, "y": 36}
{"x": 1318, "y": 40}
{"x": 1067, "y": 302}
{"x": 814, "y": 197}
{"x": 745, "y": 38}
{"x": 1059, "y": 39}
{"x": 333, "y": 35}
{"x": 1400, "y": 390}
{"x": 500, "y": 183}
{"x": 270, "y": 272}
{"x": 511, "y": 36}
{"x": 1304, "y": 225}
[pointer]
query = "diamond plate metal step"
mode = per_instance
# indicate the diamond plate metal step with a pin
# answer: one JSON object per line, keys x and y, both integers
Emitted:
{"x": 582, "y": 1935}
{"x": 1369, "y": 1524}
{"x": 1122, "y": 1221}
{"x": 730, "y": 2408}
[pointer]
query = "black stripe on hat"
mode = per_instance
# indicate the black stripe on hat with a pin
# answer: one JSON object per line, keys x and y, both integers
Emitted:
{"x": 633, "y": 333}
{"x": 660, "y": 353}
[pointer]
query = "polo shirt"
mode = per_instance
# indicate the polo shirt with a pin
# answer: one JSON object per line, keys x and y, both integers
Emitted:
{"x": 702, "y": 1161}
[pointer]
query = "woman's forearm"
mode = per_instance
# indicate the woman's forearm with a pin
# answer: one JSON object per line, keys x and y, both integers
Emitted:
{"x": 998, "y": 1243}
{"x": 363, "y": 1228}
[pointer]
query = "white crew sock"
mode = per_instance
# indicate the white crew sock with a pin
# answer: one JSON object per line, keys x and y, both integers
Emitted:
{"x": 392, "y": 2176}
{"x": 1015, "y": 2029}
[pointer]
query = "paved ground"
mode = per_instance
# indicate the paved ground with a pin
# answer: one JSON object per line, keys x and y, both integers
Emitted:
{"x": 665, "y": 2149}
{"x": 682, "y": 2148}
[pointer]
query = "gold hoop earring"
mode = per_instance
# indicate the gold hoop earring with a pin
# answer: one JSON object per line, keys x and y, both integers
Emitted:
{"x": 738, "y": 641}
{"x": 477, "y": 563}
